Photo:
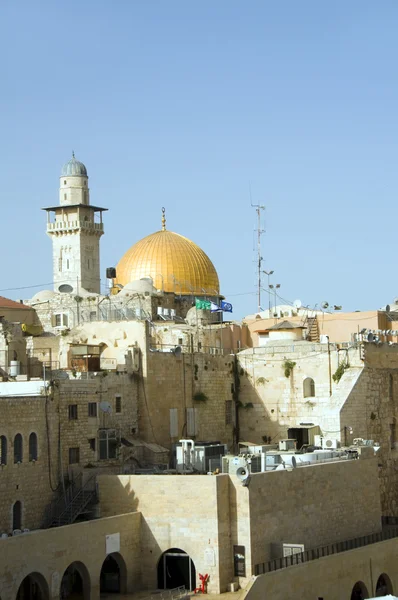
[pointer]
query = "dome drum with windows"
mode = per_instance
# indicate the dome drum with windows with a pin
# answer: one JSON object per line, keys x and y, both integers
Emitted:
{"x": 174, "y": 263}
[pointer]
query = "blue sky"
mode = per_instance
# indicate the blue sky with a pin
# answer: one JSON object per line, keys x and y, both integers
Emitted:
{"x": 189, "y": 104}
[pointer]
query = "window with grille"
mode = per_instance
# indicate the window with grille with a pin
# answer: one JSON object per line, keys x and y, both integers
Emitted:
{"x": 92, "y": 409}
{"x": 32, "y": 447}
{"x": 108, "y": 443}
{"x": 18, "y": 448}
{"x": 3, "y": 450}
{"x": 72, "y": 410}
{"x": 228, "y": 412}
{"x": 74, "y": 456}
{"x": 239, "y": 561}
{"x": 118, "y": 404}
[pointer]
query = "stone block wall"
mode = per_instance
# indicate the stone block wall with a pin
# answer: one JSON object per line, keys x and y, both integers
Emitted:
{"x": 172, "y": 382}
{"x": 31, "y": 483}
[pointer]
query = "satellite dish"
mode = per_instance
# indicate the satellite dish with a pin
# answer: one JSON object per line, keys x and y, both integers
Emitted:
{"x": 325, "y": 304}
{"x": 294, "y": 462}
{"x": 106, "y": 407}
{"x": 297, "y": 303}
{"x": 370, "y": 337}
{"x": 388, "y": 308}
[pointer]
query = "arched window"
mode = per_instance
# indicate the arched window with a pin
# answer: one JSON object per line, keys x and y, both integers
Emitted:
{"x": 3, "y": 450}
{"x": 18, "y": 448}
{"x": 383, "y": 586}
{"x": 32, "y": 447}
{"x": 309, "y": 387}
{"x": 17, "y": 515}
{"x": 359, "y": 591}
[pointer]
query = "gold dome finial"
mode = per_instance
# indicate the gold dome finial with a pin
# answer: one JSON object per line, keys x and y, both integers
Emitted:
{"x": 163, "y": 218}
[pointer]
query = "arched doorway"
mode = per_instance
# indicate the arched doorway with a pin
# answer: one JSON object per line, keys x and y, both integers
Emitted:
{"x": 383, "y": 586}
{"x": 33, "y": 587}
{"x": 75, "y": 584}
{"x": 113, "y": 578}
{"x": 175, "y": 569}
{"x": 359, "y": 591}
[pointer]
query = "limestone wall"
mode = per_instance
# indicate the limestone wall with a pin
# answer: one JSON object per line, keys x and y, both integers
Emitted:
{"x": 50, "y": 552}
{"x": 29, "y": 482}
{"x": 332, "y": 577}
{"x": 172, "y": 383}
{"x": 178, "y": 512}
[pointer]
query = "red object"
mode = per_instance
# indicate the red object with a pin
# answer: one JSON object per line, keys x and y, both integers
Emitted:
{"x": 202, "y": 589}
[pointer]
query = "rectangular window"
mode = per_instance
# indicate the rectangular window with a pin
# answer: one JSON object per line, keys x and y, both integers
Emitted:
{"x": 239, "y": 561}
{"x": 393, "y": 436}
{"x": 107, "y": 444}
{"x": 180, "y": 340}
{"x": 74, "y": 456}
{"x": 61, "y": 320}
{"x": 72, "y": 411}
{"x": 65, "y": 196}
{"x": 92, "y": 443}
{"x": 118, "y": 404}
{"x": 192, "y": 421}
{"x": 228, "y": 412}
{"x": 173, "y": 422}
{"x": 92, "y": 409}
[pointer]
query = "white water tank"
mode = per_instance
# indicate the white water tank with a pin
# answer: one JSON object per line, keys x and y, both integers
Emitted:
{"x": 15, "y": 368}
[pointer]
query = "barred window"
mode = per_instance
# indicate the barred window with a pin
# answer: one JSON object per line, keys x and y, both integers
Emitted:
{"x": 3, "y": 450}
{"x": 32, "y": 447}
{"x": 118, "y": 403}
{"x": 92, "y": 409}
{"x": 72, "y": 410}
{"x": 18, "y": 448}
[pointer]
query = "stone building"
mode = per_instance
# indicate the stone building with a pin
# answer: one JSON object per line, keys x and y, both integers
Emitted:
{"x": 162, "y": 531}
{"x": 292, "y": 388}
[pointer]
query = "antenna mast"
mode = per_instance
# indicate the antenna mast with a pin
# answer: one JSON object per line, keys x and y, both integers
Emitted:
{"x": 259, "y": 208}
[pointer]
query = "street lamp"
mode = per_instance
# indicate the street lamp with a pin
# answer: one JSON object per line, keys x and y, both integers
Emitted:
{"x": 275, "y": 287}
{"x": 269, "y": 273}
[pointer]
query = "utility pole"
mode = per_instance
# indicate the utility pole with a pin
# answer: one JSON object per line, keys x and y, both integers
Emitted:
{"x": 259, "y": 208}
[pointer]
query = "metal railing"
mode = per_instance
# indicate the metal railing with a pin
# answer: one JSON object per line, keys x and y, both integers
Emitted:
{"x": 321, "y": 551}
{"x": 177, "y": 593}
{"x": 193, "y": 349}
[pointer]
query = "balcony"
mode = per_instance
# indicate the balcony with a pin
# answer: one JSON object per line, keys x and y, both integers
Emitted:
{"x": 69, "y": 226}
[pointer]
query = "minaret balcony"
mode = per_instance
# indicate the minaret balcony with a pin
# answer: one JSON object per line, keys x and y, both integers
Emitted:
{"x": 71, "y": 226}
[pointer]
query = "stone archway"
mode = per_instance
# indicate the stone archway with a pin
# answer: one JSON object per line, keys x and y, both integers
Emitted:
{"x": 113, "y": 577}
{"x": 75, "y": 583}
{"x": 33, "y": 587}
{"x": 359, "y": 591}
{"x": 176, "y": 569}
{"x": 383, "y": 586}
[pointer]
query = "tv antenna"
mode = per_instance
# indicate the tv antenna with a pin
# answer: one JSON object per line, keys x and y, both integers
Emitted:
{"x": 260, "y": 231}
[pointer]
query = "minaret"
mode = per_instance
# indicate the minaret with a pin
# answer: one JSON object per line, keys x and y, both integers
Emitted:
{"x": 74, "y": 232}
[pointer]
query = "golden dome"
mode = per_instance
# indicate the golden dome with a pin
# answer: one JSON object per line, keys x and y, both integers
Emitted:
{"x": 172, "y": 261}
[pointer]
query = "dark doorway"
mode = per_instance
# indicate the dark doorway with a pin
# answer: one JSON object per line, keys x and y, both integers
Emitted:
{"x": 33, "y": 587}
{"x": 17, "y": 515}
{"x": 359, "y": 591}
{"x": 176, "y": 569}
{"x": 383, "y": 586}
{"x": 113, "y": 575}
{"x": 75, "y": 584}
{"x": 300, "y": 434}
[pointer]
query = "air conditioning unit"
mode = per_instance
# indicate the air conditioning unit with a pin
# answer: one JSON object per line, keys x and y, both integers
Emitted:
{"x": 16, "y": 532}
{"x": 330, "y": 444}
{"x": 289, "y": 444}
{"x": 160, "y": 310}
{"x": 3, "y": 536}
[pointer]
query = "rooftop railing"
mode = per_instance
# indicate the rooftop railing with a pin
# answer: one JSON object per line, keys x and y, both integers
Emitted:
{"x": 321, "y": 551}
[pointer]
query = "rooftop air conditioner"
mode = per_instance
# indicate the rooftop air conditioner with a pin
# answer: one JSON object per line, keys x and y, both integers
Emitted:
{"x": 330, "y": 444}
{"x": 16, "y": 532}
